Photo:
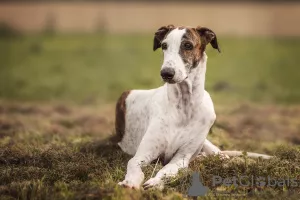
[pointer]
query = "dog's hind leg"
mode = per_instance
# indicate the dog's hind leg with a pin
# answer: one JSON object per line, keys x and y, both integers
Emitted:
{"x": 211, "y": 149}
{"x": 248, "y": 154}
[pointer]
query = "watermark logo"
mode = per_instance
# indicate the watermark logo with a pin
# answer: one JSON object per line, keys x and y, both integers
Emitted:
{"x": 251, "y": 181}
{"x": 197, "y": 188}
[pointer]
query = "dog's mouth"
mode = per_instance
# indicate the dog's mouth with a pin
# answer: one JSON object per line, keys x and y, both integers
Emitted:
{"x": 171, "y": 81}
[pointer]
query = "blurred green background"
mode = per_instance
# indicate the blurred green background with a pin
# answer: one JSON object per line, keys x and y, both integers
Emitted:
{"x": 98, "y": 67}
{"x": 91, "y": 51}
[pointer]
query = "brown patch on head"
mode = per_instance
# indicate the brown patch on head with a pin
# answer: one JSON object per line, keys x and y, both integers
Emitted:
{"x": 194, "y": 43}
{"x": 191, "y": 48}
{"x": 120, "y": 116}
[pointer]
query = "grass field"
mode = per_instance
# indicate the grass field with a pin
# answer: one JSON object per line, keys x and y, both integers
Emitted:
{"x": 57, "y": 95}
{"x": 99, "y": 67}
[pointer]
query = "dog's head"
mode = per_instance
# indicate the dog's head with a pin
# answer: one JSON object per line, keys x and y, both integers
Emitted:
{"x": 183, "y": 49}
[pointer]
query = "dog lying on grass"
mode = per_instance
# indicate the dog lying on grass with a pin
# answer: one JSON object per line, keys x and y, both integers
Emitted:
{"x": 170, "y": 122}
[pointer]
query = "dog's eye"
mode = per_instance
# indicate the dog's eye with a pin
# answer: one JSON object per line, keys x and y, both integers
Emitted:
{"x": 164, "y": 46}
{"x": 188, "y": 46}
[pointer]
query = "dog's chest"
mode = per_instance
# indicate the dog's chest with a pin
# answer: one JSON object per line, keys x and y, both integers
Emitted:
{"x": 178, "y": 138}
{"x": 183, "y": 125}
{"x": 182, "y": 112}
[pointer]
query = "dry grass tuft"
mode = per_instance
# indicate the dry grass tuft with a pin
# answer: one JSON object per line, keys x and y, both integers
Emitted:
{"x": 60, "y": 152}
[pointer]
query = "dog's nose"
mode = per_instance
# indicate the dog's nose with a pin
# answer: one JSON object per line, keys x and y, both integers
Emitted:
{"x": 167, "y": 73}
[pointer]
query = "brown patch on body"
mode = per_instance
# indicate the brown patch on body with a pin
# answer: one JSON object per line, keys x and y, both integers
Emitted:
{"x": 120, "y": 116}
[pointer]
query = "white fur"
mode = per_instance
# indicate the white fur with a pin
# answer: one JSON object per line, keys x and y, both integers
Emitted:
{"x": 172, "y": 58}
{"x": 172, "y": 120}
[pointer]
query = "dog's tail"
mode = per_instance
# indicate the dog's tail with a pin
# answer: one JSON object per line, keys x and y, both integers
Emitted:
{"x": 248, "y": 154}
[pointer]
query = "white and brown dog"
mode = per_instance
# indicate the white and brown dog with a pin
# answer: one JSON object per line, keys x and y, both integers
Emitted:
{"x": 172, "y": 121}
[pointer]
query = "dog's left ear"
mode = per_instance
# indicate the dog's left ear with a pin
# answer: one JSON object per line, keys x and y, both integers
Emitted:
{"x": 160, "y": 35}
{"x": 208, "y": 36}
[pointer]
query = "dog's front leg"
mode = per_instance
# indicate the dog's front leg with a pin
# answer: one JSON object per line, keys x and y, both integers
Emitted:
{"x": 179, "y": 161}
{"x": 149, "y": 149}
{"x": 134, "y": 176}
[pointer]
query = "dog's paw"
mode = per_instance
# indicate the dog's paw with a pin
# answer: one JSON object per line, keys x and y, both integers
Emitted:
{"x": 154, "y": 183}
{"x": 223, "y": 156}
{"x": 129, "y": 184}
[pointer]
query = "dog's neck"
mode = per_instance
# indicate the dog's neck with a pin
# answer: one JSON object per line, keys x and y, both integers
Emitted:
{"x": 191, "y": 89}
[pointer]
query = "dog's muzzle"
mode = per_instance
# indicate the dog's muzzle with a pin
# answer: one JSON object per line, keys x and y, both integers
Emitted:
{"x": 167, "y": 74}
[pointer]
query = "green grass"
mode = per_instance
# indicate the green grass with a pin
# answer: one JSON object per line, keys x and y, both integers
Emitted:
{"x": 99, "y": 67}
{"x": 58, "y": 152}
{"x": 57, "y": 95}
{"x": 51, "y": 151}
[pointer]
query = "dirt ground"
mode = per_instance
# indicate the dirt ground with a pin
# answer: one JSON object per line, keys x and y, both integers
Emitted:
{"x": 256, "y": 127}
{"x": 245, "y": 124}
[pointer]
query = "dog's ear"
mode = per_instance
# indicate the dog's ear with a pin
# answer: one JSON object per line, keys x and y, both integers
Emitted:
{"x": 208, "y": 36}
{"x": 160, "y": 35}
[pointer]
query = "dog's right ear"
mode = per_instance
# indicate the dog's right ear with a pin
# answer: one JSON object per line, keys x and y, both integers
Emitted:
{"x": 160, "y": 35}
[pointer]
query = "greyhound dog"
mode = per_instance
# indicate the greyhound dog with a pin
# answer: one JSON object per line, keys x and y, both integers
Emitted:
{"x": 170, "y": 122}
